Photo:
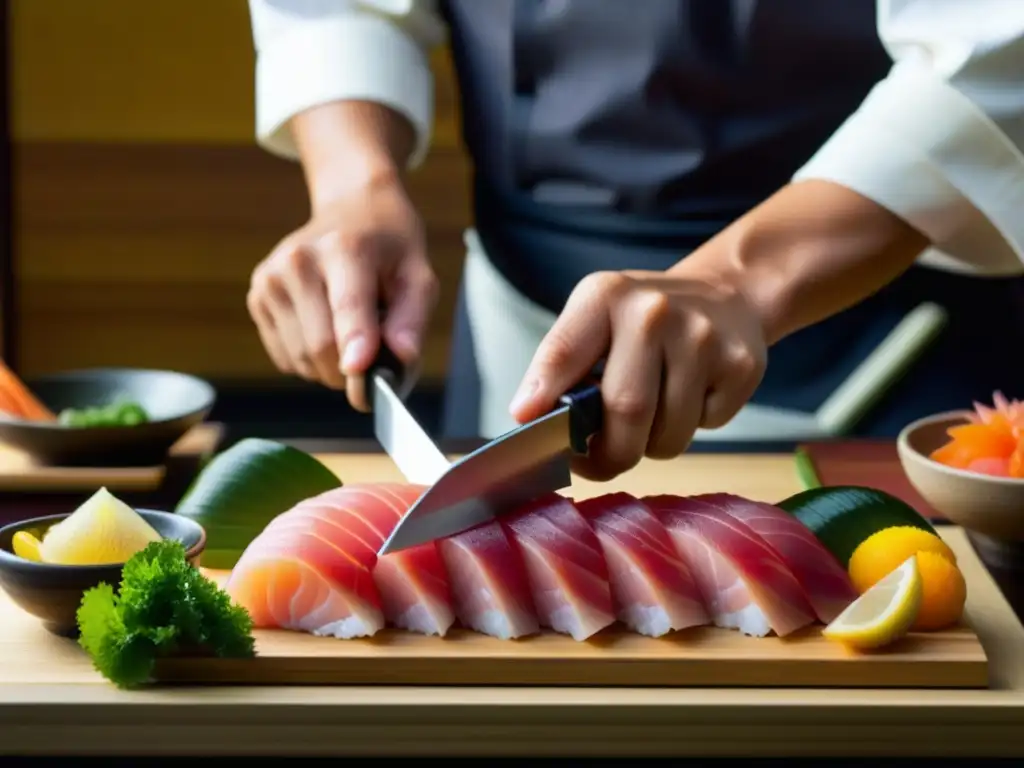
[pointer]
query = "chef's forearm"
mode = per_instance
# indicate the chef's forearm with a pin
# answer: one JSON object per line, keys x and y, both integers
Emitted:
{"x": 346, "y": 145}
{"x": 810, "y": 251}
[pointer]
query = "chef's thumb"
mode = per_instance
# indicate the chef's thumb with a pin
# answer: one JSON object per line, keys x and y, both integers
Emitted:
{"x": 567, "y": 354}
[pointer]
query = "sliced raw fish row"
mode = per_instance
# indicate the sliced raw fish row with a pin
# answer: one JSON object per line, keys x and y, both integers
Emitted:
{"x": 825, "y": 582}
{"x": 315, "y": 568}
{"x": 745, "y": 584}
{"x": 662, "y": 564}
{"x": 565, "y": 566}
{"x": 653, "y": 590}
{"x": 489, "y": 586}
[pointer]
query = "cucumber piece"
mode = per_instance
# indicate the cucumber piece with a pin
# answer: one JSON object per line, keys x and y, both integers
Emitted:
{"x": 242, "y": 489}
{"x": 842, "y": 517}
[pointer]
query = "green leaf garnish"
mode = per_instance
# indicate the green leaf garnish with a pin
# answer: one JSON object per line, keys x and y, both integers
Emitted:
{"x": 164, "y": 607}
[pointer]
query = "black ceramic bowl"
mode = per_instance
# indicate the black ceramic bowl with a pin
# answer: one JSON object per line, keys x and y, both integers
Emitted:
{"x": 53, "y": 593}
{"x": 175, "y": 402}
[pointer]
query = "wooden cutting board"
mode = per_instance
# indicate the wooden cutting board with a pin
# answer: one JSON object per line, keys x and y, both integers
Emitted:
{"x": 704, "y": 656}
{"x": 18, "y": 473}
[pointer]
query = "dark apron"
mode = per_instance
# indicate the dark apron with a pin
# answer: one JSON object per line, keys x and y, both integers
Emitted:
{"x": 612, "y": 135}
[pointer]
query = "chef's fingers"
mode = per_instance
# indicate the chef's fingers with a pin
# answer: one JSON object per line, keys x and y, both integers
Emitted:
{"x": 289, "y": 330}
{"x": 351, "y": 276}
{"x": 264, "y": 321}
{"x": 630, "y": 385}
{"x": 301, "y": 276}
{"x": 412, "y": 295}
{"x": 569, "y": 351}
{"x": 681, "y": 404}
{"x": 737, "y": 373}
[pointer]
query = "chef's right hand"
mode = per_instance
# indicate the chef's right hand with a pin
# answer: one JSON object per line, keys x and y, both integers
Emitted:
{"x": 314, "y": 299}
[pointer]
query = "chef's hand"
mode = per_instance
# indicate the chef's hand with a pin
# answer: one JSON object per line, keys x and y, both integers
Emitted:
{"x": 683, "y": 351}
{"x": 314, "y": 299}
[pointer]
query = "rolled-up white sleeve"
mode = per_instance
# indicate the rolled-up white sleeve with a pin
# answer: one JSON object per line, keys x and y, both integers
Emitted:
{"x": 940, "y": 141}
{"x": 311, "y": 52}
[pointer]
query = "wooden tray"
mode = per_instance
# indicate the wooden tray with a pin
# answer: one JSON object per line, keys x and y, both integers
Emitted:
{"x": 707, "y": 656}
{"x": 19, "y": 474}
{"x": 704, "y": 656}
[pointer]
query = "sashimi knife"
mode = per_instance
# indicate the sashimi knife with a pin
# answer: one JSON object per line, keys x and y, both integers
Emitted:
{"x": 521, "y": 465}
{"x": 406, "y": 442}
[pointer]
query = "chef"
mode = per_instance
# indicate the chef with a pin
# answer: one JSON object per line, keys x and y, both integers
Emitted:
{"x": 675, "y": 187}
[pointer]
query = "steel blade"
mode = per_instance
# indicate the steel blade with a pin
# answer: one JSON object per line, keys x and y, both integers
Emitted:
{"x": 498, "y": 478}
{"x": 414, "y": 452}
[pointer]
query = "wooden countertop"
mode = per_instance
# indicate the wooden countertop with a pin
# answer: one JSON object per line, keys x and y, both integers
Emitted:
{"x": 76, "y": 717}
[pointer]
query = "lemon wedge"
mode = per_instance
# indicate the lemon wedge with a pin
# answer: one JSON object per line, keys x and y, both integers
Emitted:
{"x": 103, "y": 530}
{"x": 884, "y": 613}
{"x": 26, "y": 546}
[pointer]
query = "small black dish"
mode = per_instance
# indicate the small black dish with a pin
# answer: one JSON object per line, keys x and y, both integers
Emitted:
{"x": 175, "y": 402}
{"x": 53, "y": 593}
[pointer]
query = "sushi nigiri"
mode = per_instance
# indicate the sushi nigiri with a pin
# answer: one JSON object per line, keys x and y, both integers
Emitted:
{"x": 489, "y": 585}
{"x": 565, "y": 566}
{"x": 745, "y": 584}
{"x": 652, "y": 587}
{"x": 826, "y": 583}
{"x": 314, "y": 568}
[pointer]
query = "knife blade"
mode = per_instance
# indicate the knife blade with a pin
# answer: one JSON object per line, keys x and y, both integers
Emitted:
{"x": 410, "y": 447}
{"x": 517, "y": 467}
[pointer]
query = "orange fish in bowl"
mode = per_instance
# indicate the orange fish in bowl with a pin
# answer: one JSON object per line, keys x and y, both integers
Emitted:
{"x": 991, "y": 443}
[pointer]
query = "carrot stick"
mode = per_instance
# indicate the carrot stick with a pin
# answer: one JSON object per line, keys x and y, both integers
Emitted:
{"x": 8, "y": 406}
{"x": 21, "y": 398}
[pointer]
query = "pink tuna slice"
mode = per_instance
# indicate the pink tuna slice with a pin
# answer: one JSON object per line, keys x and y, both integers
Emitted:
{"x": 489, "y": 583}
{"x": 565, "y": 566}
{"x": 825, "y": 582}
{"x": 746, "y": 586}
{"x": 652, "y": 588}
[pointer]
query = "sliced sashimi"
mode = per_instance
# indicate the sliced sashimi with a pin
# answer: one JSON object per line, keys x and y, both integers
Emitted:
{"x": 825, "y": 582}
{"x": 488, "y": 582}
{"x": 414, "y": 590}
{"x": 298, "y": 580}
{"x": 652, "y": 588}
{"x": 335, "y": 536}
{"x": 565, "y": 566}
{"x": 745, "y": 585}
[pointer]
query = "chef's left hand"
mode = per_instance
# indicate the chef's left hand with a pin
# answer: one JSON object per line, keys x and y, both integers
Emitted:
{"x": 682, "y": 351}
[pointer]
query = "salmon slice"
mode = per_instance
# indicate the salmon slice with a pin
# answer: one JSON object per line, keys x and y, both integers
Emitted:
{"x": 825, "y": 582}
{"x": 489, "y": 586}
{"x": 745, "y": 584}
{"x": 297, "y": 580}
{"x": 331, "y": 581}
{"x": 565, "y": 566}
{"x": 652, "y": 588}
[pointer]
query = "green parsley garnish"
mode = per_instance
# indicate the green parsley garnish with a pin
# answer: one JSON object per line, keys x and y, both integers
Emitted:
{"x": 165, "y": 607}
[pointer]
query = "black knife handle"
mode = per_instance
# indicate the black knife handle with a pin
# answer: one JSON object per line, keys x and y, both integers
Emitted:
{"x": 586, "y": 413}
{"x": 387, "y": 365}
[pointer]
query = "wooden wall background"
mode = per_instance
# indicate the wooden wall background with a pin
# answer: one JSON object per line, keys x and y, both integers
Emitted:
{"x": 141, "y": 201}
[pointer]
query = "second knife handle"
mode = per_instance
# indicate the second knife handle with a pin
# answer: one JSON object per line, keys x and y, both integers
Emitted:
{"x": 387, "y": 365}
